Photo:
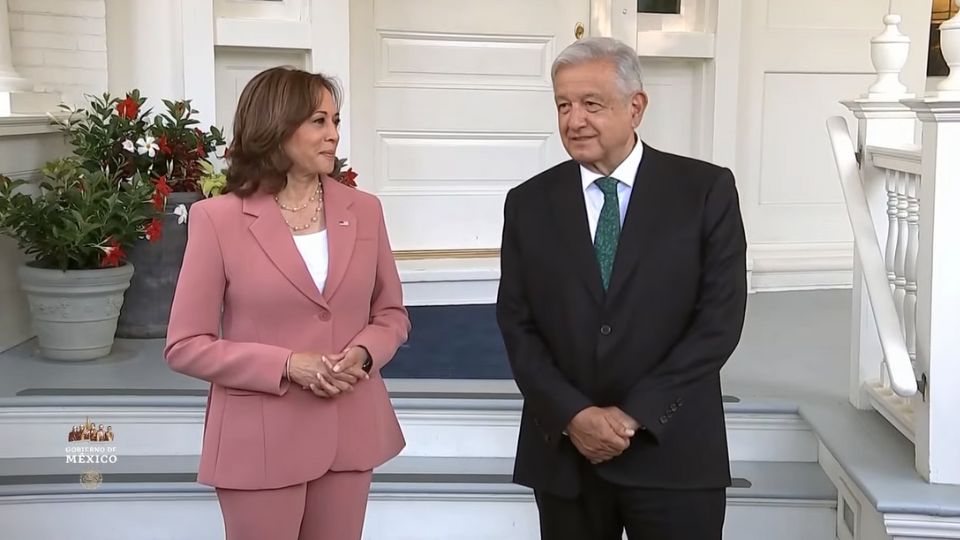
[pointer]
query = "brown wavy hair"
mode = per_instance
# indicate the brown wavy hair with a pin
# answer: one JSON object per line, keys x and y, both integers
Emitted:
{"x": 271, "y": 107}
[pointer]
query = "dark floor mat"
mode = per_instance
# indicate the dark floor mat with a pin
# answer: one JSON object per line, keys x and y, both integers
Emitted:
{"x": 452, "y": 342}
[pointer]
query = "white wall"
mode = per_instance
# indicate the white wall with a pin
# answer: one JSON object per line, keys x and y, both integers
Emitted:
{"x": 798, "y": 61}
{"x": 20, "y": 157}
{"x": 60, "y": 45}
{"x": 14, "y": 317}
{"x": 795, "y": 215}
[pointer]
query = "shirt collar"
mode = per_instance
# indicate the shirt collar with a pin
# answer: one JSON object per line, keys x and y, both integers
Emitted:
{"x": 626, "y": 172}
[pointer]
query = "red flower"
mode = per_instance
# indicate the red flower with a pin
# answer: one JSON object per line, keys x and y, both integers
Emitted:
{"x": 154, "y": 231}
{"x": 164, "y": 145}
{"x": 128, "y": 108}
{"x": 348, "y": 177}
{"x": 112, "y": 253}
{"x": 163, "y": 189}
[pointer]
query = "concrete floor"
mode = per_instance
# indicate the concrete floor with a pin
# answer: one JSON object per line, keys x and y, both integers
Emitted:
{"x": 793, "y": 344}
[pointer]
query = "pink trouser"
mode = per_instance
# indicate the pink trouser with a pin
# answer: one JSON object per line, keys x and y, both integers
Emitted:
{"x": 331, "y": 507}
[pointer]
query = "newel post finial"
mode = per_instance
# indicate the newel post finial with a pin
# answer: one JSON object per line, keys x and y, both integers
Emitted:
{"x": 888, "y": 51}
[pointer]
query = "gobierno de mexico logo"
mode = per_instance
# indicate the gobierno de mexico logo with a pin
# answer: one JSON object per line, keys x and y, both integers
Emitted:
{"x": 90, "y": 442}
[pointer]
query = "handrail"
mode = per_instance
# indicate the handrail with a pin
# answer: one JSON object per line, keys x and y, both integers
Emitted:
{"x": 906, "y": 159}
{"x": 894, "y": 345}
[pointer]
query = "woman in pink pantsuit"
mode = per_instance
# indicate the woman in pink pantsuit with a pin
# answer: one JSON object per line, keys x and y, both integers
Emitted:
{"x": 289, "y": 304}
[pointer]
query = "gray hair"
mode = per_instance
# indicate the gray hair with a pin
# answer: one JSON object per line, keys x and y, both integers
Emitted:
{"x": 624, "y": 59}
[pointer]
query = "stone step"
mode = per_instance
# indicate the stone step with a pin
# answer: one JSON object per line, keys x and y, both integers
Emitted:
{"x": 438, "y": 423}
{"x": 411, "y": 499}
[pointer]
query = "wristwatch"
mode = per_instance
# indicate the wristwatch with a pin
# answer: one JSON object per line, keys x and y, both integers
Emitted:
{"x": 368, "y": 363}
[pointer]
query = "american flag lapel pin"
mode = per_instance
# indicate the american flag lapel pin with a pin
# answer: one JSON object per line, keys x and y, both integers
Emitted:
{"x": 343, "y": 223}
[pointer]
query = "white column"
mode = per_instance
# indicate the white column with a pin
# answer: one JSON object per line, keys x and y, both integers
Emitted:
{"x": 330, "y": 53}
{"x": 938, "y": 292}
{"x": 881, "y": 122}
{"x": 145, "y": 49}
{"x": 10, "y": 80}
{"x": 164, "y": 48}
{"x": 199, "y": 59}
{"x": 614, "y": 18}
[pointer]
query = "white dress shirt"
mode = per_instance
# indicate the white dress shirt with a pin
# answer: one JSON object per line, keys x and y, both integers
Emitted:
{"x": 625, "y": 173}
{"x": 313, "y": 249}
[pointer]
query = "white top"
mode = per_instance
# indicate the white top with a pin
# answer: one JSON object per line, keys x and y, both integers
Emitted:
{"x": 625, "y": 173}
{"x": 313, "y": 249}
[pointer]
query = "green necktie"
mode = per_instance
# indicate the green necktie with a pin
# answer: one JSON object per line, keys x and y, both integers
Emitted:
{"x": 608, "y": 228}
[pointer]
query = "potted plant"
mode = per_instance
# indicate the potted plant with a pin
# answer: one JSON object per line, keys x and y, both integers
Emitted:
{"x": 212, "y": 181}
{"x": 121, "y": 136}
{"x": 76, "y": 226}
{"x": 343, "y": 174}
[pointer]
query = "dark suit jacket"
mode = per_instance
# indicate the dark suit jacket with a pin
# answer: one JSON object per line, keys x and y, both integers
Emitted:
{"x": 653, "y": 344}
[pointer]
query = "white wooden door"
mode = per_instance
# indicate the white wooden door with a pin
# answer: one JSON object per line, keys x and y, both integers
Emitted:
{"x": 451, "y": 105}
{"x": 799, "y": 60}
{"x": 235, "y": 67}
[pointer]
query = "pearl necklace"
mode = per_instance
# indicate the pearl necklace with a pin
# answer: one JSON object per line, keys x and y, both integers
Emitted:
{"x": 316, "y": 197}
{"x": 317, "y": 194}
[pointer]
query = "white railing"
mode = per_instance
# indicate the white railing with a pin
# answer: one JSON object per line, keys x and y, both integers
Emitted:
{"x": 878, "y": 274}
{"x": 901, "y": 172}
{"x": 903, "y": 202}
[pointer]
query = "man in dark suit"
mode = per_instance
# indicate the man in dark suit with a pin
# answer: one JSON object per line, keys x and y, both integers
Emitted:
{"x": 622, "y": 294}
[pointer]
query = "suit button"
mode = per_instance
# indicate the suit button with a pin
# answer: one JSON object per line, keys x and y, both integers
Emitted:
{"x": 663, "y": 419}
{"x": 605, "y": 330}
{"x": 324, "y": 315}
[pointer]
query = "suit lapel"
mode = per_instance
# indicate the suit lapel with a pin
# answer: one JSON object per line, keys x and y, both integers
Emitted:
{"x": 341, "y": 232}
{"x": 274, "y": 238}
{"x": 641, "y": 221}
{"x": 570, "y": 216}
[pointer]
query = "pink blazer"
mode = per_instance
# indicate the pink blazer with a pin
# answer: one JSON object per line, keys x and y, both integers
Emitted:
{"x": 245, "y": 301}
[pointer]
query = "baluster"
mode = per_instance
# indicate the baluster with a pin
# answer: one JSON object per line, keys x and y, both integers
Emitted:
{"x": 913, "y": 246}
{"x": 899, "y": 264}
{"x": 892, "y": 227}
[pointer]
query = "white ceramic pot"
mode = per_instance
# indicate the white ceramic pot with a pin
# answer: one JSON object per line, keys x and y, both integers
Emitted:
{"x": 75, "y": 312}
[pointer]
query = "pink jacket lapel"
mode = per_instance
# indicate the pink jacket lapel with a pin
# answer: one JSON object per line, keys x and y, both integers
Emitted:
{"x": 341, "y": 231}
{"x": 275, "y": 239}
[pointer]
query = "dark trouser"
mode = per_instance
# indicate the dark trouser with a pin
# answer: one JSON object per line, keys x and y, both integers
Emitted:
{"x": 603, "y": 510}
